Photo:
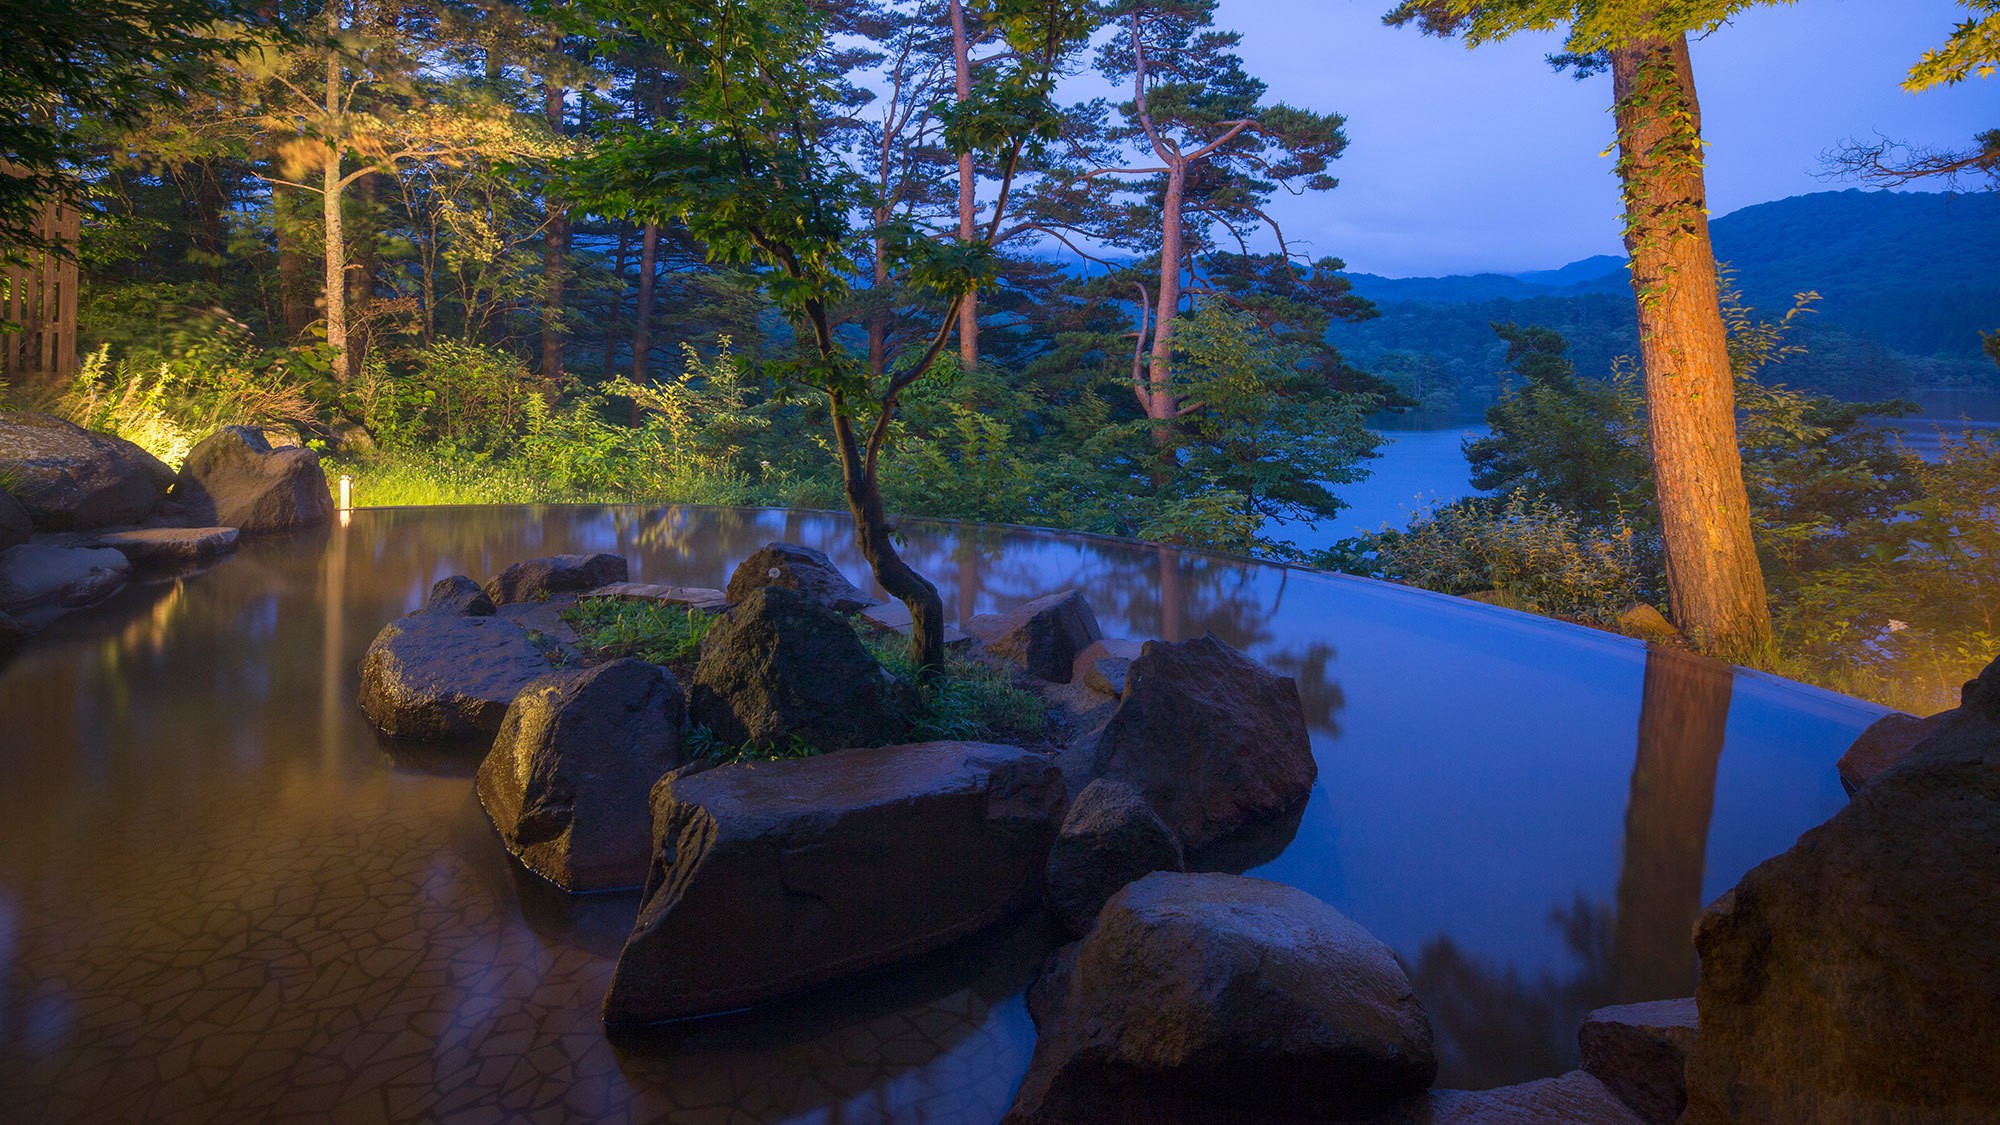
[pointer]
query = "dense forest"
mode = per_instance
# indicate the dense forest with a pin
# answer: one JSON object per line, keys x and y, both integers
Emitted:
{"x": 860, "y": 254}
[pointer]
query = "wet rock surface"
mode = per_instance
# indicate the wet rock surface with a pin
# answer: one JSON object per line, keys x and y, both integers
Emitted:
{"x": 567, "y": 781}
{"x": 1043, "y": 637}
{"x": 1205, "y": 998}
{"x": 771, "y": 877}
{"x": 1575, "y": 1098}
{"x": 1857, "y": 975}
{"x": 444, "y": 677}
{"x": 1102, "y": 666}
{"x": 170, "y": 546}
{"x": 803, "y": 569}
{"x": 235, "y": 478}
{"x": 1211, "y": 739}
{"x": 39, "y": 576}
{"x": 540, "y": 579}
{"x": 1109, "y": 838}
{"x": 15, "y": 526}
{"x": 69, "y": 479}
{"x": 458, "y": 596}
{"x": 1639, "y": 1052}
{"x": 781, "y": 665}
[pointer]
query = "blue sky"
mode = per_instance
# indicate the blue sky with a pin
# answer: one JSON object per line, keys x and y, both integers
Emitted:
{"x": 1462, "y": 161}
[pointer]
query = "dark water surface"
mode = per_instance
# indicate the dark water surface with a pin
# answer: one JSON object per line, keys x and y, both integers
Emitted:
{"x": 223, "y": 898}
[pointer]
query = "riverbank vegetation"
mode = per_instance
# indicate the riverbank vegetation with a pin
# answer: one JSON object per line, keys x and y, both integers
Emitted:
{"x": 862, "y": 255}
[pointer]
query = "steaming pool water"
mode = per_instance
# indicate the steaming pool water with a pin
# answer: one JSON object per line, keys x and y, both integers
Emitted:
{"x": 222, "y": 897}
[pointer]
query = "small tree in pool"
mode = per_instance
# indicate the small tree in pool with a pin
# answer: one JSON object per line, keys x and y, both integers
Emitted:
{"x": 752, "y": 166}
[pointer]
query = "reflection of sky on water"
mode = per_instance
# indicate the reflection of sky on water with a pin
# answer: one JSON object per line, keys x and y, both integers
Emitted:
{"x": 188, "y": 772}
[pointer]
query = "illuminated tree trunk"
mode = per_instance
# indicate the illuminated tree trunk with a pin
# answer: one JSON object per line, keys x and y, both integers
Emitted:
{"x": 1714, "y": 583}
{"x": 968, "y": 312}
{"x": 555, "y": 252}
{"x": 330, "y": 192}
{"x": 642, "y": 329}
{"x": 875, "y": 535}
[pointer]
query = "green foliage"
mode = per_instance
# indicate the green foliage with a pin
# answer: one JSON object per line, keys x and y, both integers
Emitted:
{"x": 470, "y": 399}
{"x": 1536, "y": 554}
{"x": 964, "y": 700}
{"x": 1974, "y": 48}
{"x": 167, "y": 407}
{"x": 652, "y": 631}
{"x": 1578, "y": 443}
{"x": 1592, "y": 26}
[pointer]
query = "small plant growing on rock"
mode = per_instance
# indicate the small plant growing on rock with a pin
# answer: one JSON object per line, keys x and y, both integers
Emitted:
{"x": 652, "y": 631}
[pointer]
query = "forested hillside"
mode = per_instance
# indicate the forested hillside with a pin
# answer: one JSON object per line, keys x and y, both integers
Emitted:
{"x": 1906, "y": 283}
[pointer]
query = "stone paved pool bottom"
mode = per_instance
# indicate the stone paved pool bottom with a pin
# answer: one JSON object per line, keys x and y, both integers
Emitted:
{"x": 222, "y": 898}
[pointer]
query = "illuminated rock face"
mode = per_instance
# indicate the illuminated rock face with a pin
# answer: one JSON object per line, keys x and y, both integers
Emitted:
{"x": 69, "y": 479}
{"x": 1857, "y": 976}
{"x": 234, "y": 478}
{"x": 1044, "y": 637}
{"x": 1203, "y": 998}
{"x": 1639, "y": 1052}
{"x": 566, "y": 782}
{"x": 797, "y": 568}
{"x": 772, "y": 877}
{"x": 1213, "y": 740}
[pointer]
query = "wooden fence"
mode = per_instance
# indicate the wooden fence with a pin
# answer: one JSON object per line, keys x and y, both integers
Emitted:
{"x": 38, "y": 304}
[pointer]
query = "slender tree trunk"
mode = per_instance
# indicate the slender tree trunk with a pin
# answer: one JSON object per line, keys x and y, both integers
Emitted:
{"x": 210, "y": 206}
{"x": 555, "y": 252}
{"x": 296, "y": 310}
{"x": 878, "y": 321}
{"x": 968, "y": 312}
{"x": 617, "y": 301}
{"x": 330, "y": 192}
{"x": 363, "y": 267}
{"x": 1683, "y": 715}
{"x": 1162, "y": 405}
{"x": 642, "y": 329}
{"x": 1714, "y": 582}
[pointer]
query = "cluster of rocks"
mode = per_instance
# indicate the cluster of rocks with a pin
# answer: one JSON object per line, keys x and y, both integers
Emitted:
{"x": 81, "y": 512}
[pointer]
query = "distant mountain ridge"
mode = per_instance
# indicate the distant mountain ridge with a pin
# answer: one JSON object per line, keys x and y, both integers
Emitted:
{"x": 1907, "y": 281}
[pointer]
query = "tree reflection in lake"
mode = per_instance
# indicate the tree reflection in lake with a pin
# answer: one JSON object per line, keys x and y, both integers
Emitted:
{"x": 1495, "y": 1027}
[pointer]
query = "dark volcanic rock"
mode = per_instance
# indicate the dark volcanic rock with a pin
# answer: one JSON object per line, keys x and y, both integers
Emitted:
{"x": 1102, "y": 667}
{"x": 15, "y": 526}
{"x": 170, "y": 546}
{"x": 772, "y": 877}
{"x": 537, "y": 579}
{"x": 1210, "y": 738}
{"x": 781, "y": 664}
{"x": 458, "y": 596}
{"x": 12, "y": 630}
{"x": 1575, "y": 1098}
{"x": 566, "y": 782}
{"x": 435, "y": 676}
{"x": 1043, "y": 636}
{"x": 1856, "y": 977}
{"x": 35, "y": 575}
{"x": 1110, "y": 837}
{"x": 1886, "y": 741}
{"x": 1217, "y": 998}
{"x": 233, "y": 477}
{"x": 796, "y": 568}
{"x": 1639, "y": 1052}
{"x": 70, "y": 479}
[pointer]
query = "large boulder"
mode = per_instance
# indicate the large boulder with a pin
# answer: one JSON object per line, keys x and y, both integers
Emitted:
{"x": 781, "y": 665}
{"x": 170, "y": 546}
{"x": 1887, "y": 740}
{"x": 1211, "y": 739}
{"x": 796, "y": 568}
{"x": 233, "y": 477}
{"x": 15, "y": 525}
{"x": 70, "y": 479}
{"x": 1856, "y": 977}
{"x": 567, "y": 780}
{"x": 1044, "y": 636}
{"x": 445, "y": 677}
{"x": 36, "y": 575}
{"x": 1109, "y": 838}
{"x": 772, "y": 877}
{"x": 539, "y": 579}
{"x": 1203, "y": 998}
{"x": 1639, "y": 1052}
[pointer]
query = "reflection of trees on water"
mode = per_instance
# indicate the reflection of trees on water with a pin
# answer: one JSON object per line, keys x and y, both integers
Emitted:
{"x": 1494, "y": 1026}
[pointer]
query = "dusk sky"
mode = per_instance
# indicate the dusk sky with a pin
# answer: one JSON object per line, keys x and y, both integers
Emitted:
{"x": 1464, "y": 161}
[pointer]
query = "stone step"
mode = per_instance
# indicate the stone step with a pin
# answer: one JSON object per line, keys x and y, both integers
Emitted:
{"x": 694, "y": 597}
{"x": 167, "y": 546}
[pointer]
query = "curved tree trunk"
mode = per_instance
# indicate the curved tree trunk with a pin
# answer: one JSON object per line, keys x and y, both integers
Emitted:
{"x": 1714, "y": 582}
{"x": 875, "y": 535}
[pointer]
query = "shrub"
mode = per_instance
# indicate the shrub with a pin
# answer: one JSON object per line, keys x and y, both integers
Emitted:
{"x": 652, "y": 631}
